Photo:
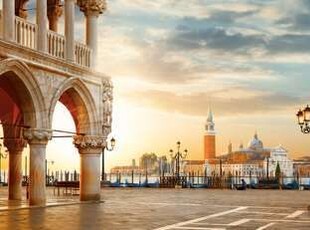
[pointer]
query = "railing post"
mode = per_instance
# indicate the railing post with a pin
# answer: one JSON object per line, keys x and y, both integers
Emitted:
{"x": 8, "y": 20}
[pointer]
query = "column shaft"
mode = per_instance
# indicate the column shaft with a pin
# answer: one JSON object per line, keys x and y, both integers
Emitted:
{"x": 90, "y": 148}
{"x": 90, "y": 177}
{"x": 69, "y": 29}
{"x": 15, "y": 175}
{"x": 42, "y": 25}
{"x": 8, "y": 19}
{"x": 37, "y": 174}
{"x": 91, "y": 34}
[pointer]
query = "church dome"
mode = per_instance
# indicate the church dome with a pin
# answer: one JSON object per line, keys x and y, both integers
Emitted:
{"x": 255, "y": 143}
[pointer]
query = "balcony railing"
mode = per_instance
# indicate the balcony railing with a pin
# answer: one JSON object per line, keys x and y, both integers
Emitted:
{"x": 82, "y": 54}
{"x": 56, "y": 44}
{"x": 26, "y": 35}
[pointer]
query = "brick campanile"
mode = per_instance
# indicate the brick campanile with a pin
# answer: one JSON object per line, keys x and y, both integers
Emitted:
{"x": 209, "y": 138}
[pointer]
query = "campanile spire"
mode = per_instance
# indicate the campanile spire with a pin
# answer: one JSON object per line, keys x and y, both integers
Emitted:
{"x": 209, "y": 138}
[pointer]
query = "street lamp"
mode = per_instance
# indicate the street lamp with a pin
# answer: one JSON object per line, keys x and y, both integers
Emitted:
{"x": 1, "y": 156}
{"x": 47, "y": 171}
{"x": 177, "y": 156}
{"x": 112, "y": 142}
{"x": 303, "y": 117}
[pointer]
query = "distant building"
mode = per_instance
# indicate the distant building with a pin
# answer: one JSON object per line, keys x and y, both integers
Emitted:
{"x": 125, "y": 170}
{"x": 255, "y": 160}
{"x": 302, "y": 167}
{"x": 193, "y": 166}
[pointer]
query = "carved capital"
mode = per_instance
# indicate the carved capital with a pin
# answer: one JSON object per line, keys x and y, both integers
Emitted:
{"x": 38, "y": 136}
{"x": 54, "y": 9}
{"x": 20, "y": 8}
{"x": 89, "y": 144}
{"x": 15, "y": 145}
{"x": 95, "y": 7}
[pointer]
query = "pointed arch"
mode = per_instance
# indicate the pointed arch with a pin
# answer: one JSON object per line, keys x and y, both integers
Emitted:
{"x": 75, "y": 95}
{"x": 23, "y": 86}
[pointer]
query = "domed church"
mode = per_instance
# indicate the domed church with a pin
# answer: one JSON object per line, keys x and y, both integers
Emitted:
{"x": 255, "y": 160}
{"x": 255, "y": 143}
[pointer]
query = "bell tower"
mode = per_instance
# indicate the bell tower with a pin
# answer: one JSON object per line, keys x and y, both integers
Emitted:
{"x": 209, "y": 138}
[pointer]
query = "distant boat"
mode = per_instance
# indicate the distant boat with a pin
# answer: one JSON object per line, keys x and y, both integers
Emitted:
{"x": 152, "y": 185}
{"x": 118, "y": 185}
{"x": 198, "y": 185}
{"x": 133, "y": 185}
{"x": 266, "y": 184}
{"x": 290, "y": 186}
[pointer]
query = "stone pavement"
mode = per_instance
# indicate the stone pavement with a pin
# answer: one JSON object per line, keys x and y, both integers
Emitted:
{"x": 163, "y": 209}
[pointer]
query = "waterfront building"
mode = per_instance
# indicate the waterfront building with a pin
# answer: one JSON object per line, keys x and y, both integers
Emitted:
{"x": 126, "y": 170}
{"x": 192, "y": 166}
{"x": 254, "y": 160}
{"x": 302, "y": 167}
{"x": 40, "y": 67}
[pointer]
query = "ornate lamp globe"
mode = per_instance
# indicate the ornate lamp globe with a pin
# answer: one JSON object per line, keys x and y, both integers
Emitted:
{"x": 112, "y": 143}
{"x": 307, "y": 114}
{"x": 300, "y": 117}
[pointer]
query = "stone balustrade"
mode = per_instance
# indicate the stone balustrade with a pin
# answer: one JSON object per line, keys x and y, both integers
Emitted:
{"x": 82, "y": 54}
{"x": 56, "y": 44}
{"x": 26, "y": 35}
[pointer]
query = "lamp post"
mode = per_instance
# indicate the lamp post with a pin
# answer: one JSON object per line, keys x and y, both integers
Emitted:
{"x": 112, "y": 141}
{"x": 1, "y": 156}
{"x": 303, "y": 117}
{"x": 47, "y": 176}
{"x": 177, "y": 156}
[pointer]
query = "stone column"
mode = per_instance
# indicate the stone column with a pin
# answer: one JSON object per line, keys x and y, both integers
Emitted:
{"x": 15, "y": 148}
{"x": 42, "y": 25}
{"x": 90, "y": 149}
{"x": 54, "y": 12}
{"x": 92, "y": 9}
{"x": 37, "y": 139}
{"x": 69, "y": 29}
{"x": 8, "y": 19}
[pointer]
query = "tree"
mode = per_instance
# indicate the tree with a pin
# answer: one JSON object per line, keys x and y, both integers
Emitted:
{"x": 148, "y": 161}
{"x": 278, "y": 171}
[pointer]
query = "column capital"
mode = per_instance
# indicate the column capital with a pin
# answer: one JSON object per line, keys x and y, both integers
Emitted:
{"x": 38, "y": 136}
{"x": 91, "y": 144}
{"x": 20, "y": 8}
{"x": 15, "y": 145}
{"x": 54, "y": 10}
{"x": 92, "y": 7}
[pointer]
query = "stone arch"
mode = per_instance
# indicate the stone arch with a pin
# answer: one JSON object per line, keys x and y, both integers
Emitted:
{"x": 19, "y": 83}
{"x": 75, "y": 95}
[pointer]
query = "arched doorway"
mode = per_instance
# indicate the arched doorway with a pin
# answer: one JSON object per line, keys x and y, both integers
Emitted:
{"x": 62, "y": 156}
{"x": 20, "y": 101}
{"x": 76, "y": 97}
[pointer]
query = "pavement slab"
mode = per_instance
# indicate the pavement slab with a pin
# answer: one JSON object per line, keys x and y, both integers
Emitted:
{"x": 163, "y": 209}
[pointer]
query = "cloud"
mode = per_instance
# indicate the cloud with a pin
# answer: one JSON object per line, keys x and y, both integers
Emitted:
{"x": 225, "y": 102}
{"x": 214, "y": 38}
{"x": 296, "y": 18}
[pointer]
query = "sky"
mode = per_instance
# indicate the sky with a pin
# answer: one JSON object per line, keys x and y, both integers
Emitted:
{"x": 170, "y": 60}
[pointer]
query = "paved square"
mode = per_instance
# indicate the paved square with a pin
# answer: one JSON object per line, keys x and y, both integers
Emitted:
{"x": 162, "y": 209}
